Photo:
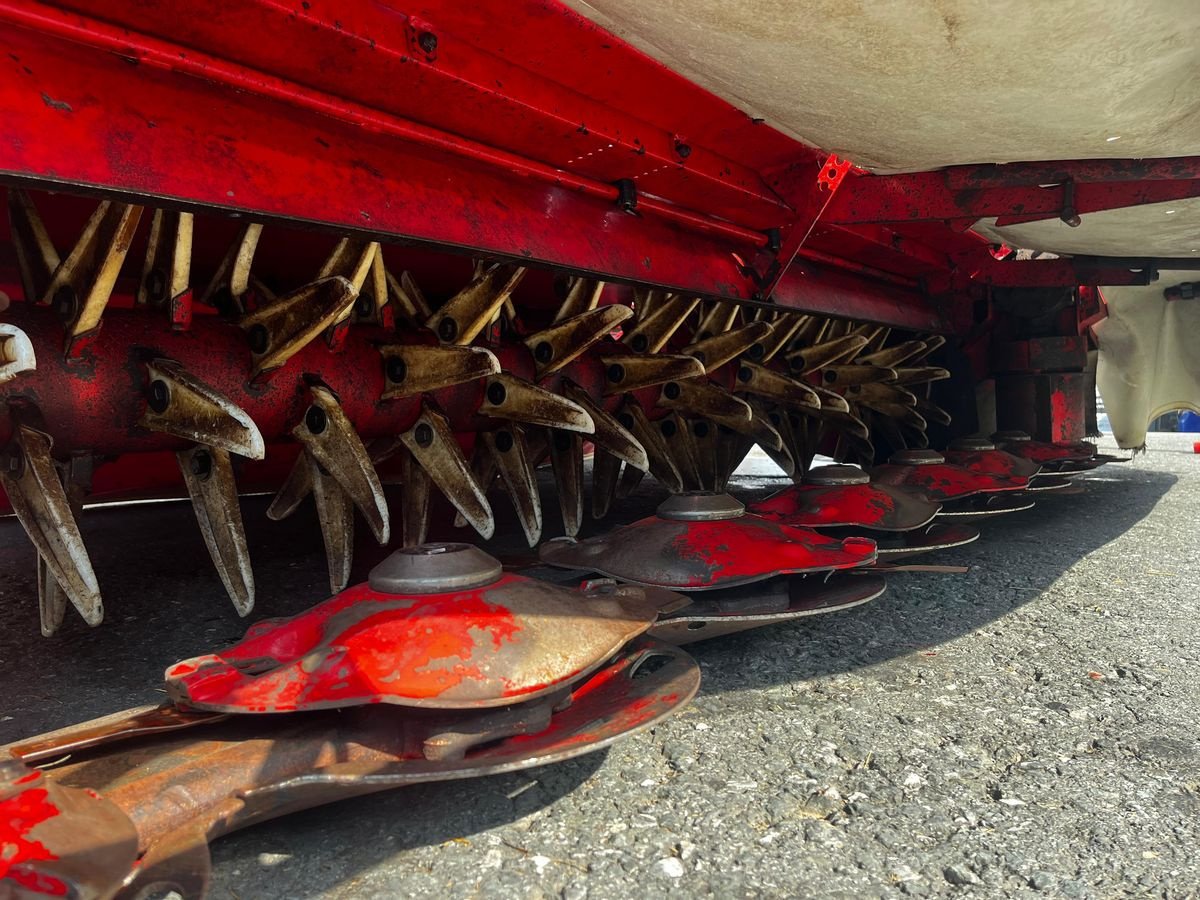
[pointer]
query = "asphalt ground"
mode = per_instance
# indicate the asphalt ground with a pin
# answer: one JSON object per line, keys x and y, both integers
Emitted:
{"x": 1027, "y": 728}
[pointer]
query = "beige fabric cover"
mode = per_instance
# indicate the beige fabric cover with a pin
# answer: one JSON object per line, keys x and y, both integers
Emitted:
{"x": 1149, "y": 356}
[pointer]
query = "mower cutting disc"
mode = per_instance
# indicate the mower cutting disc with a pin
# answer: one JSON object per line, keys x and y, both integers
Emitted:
{"x": 982, "y": 456}
{"x": 985, "y": 506}
{"x": 701, "y": 541}
{"x": 436, "y": 626}
{"x": 779, "y": 600}
{"x": 928, "y": 472}
{"x": 833, "y": 496}
{"x": 1021, "y": 444}
{"x": 938, "y": 536}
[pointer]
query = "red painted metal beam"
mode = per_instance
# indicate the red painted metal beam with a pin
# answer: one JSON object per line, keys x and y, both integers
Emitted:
{"x": 952, "y": 196}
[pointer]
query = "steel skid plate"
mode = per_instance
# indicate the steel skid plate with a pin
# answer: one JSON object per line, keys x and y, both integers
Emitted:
{"x": 852, "y": 500}
{"x": 436, "y": 626}
{"x": 928, "y": 472}
{"x": 167, "y": 795}
{"x": 706, "y": 544}
{"x": 777, "y": 600}
{"x": 985, "y": 506}
{"x": 938, "y": 536}
{"x": 981, "y": 455}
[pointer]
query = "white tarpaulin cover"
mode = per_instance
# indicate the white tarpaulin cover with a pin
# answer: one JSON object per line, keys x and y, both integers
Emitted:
{"x": 911, "y": 85}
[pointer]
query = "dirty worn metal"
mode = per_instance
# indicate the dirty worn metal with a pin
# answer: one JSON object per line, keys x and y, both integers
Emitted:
{"x": 818, "y": 356}
{"x": 677, "y": 433}
{"x": 509, "y": 640}
{"x": 335, "y": 515}
{"x": 703, "y": 399}
{"x": 566, "y": 339}
{"x": 771, "y": 385}
{"x": 631, "y": 372}
{"x": 330, "y": 439}
{"x": 832, "y": 496}
{"x": 247, "y": 769}
{"x": 31, "y": 482}
{"x": 937, "y": 536}
{"x": 772, "y": 602}
{"x": 838, "y": 376}
{"x": 509, "y": 397}
{"x": 920, "y": 374}
{"x": 566, "y": 459}
{"x": 434, "y": 449}
{"x": 36, "y": 257}
{"x": 283, "y": 327}
{"x": 609, "y": 432}
{"x": 167, "y": 267}
{"x": 659, "y": 459}
{"x": 703, "y": 554}
{"x": 981, "y": 455}
{"x": 896, "y": 355}
{"x": 416, "y": 495}
{"x": 41, "y": 822}
{"x": 232, "y": 279}
{"x": 1048, "y": 482}
{"x": 716, "y": 319}
{"x": 928, "y": 472}
{"x": 16, "y": 352}
{"x": 179, "y": 403}
{"x": 467, "y": 313}
{"x": 652, "y": 331}
{"x": 515, "y": 464}
{"x": 985, "y": 506}
{"x": 208, "y": 474}
{"x": 724, "y": 346}
{"x": 582, "y": 295}
{"x": 83, "y": 282}
{"x": 606, "y": 470}
{"x": 1021, "y": 444}
{"x": 412, "y": 369}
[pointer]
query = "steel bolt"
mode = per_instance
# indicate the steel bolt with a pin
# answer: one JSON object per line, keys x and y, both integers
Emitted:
{"x": 543, "y": 352}
{"x": 66, "y": 304}
{"x": 12, "y": 462}
{"x": 396, "y": 370}
{"x": 260, "y": 339}
{"x": 201, "y": 464}
{"x": 640, "y": 343}
{"x": 447, "y": 329}
{"x": 756, "y": 351}
{"x": 616, "y": 373}
{"x": 626, "y": 420}
{"x": 745, "y": 374}
{"x": 423, "y": 435}
{"x": 496, "y": 394}
{"x": 159, "y": 396}
{"x": 316, "y": 420}
{"x": 667, "y": 427}
{"x": 427, "y": 41}
{"x": 700, "y": 429}
{"x": 671, "y": 390}
{"x": 504, "y": 441}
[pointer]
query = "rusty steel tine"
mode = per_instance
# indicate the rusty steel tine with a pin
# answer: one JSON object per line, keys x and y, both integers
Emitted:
{"x": 233, "y": 274}
{"x": 509, "y": 397}
{"x": 411, "y": 369}
{"x": 378, "y": 287}
{"x": 716, "y": 320}
{"x": 723, "y": 347}
{"x": 609, "y": 433}
{"x": 566, "y": 459}
{"x": 297, "y": 486}
{"x": 284, "y": 327}
{"x": 704, "y": 443}
{"x": 408, "y": 295}
{"x": 781, "y": 334}
{"x": 631, "y": 477}
{"x": 85, "y": 278}
{"x": 830, "y": 401}
{"x": 565, "y": 340}
{"x": 16, "y": 352}
{"x": 812, "y": 330}
{"x": 868, "y": 393}
{"x": 646, "y": 300}
{"x": 329, "y": 437}
{"x": 37, "y": 258}
{"x": 921, "y": 374}
{"x": 167, "y": 268}
{"x": 583, "y": 294}
{"x": 706, "y": 400}
{"x": 932, "y": 342}
{"x": 467, "y": 313}
{"x": 631, "y": 372}
{"x": 763, "y": 382}
{"x": 894, "y": 356}
{"x": 483, "y": 470}
{"x": 415, "y": 497}
{"x": 777, "y": 421}
{"x": 434, "y": 448}
{"x": 179, "y": 403}
{"x": 40, "y": 502}
{"x": 931, "y": 412}
{"x": 508, "y": 447}
{"x": 606, "y": 469}
{"x": 683, "y": 449}
{"x": 335, "y": 513}
{"x": 208, "y": 474}
{"x": 652, "y": 331}
{"x": 352, "y": 259}
{"x": 834, "y": 377}
{"x": 52, "y": 599}
{"x": 659, "y": 458}
{"x": 818, "y": 356}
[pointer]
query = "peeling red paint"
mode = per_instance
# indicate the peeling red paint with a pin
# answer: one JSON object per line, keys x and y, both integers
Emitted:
{"x": 19, "y": 815}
